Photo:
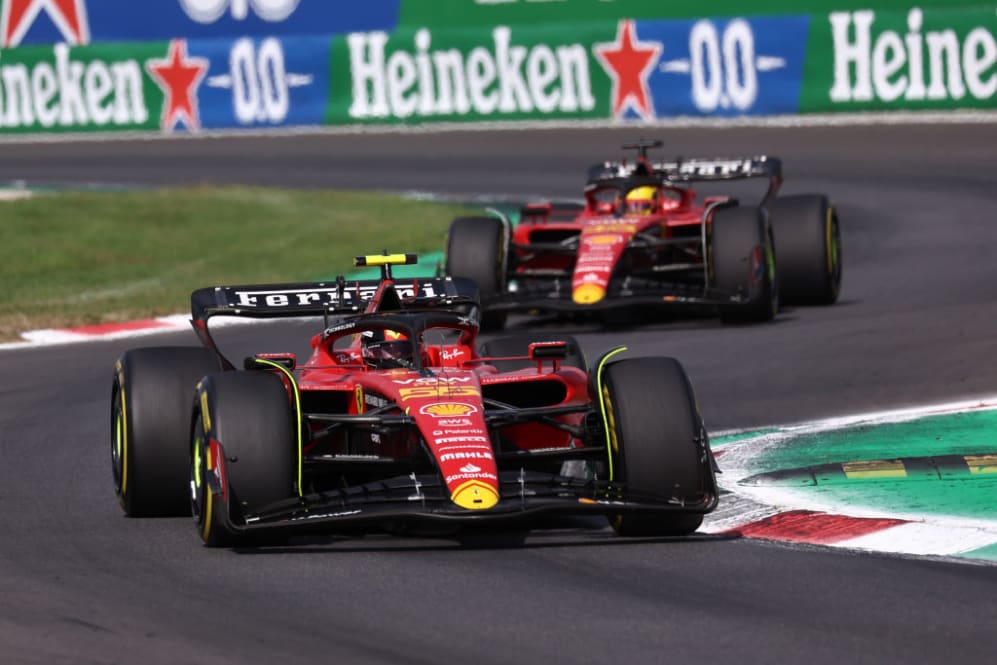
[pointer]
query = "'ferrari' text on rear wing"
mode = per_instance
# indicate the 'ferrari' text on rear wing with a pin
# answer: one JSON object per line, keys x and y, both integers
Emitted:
{"x": 338, "y": 297}
{"x": 692, "y": 170}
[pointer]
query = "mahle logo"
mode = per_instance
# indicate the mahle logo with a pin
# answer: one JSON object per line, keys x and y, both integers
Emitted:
{"x": 932, "y": 65}
{"x": 500, "y": 78}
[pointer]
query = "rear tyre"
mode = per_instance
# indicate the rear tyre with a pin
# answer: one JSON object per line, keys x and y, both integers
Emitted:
{"x": 519, "y": 345}
{"x": 658, "y": 443}
{"x": 476, "y": 250}
{"x": 809, "y": 258}
{"x": 742, "y": 260}
{"x": 249, "y": 415}
{"x": 150, "y": 427}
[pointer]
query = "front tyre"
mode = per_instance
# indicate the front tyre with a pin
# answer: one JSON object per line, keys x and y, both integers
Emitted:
{"x": 243, "y": 452}
{"x": 658, "y": 445}
{"x": 150, "y": 419}
{"x": 476, "y": 250}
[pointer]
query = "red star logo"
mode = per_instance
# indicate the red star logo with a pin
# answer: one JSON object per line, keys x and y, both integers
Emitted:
{"x": 629, "y": 62}
{"x": 179, "y": 77}
{"x": 17, "y": 17}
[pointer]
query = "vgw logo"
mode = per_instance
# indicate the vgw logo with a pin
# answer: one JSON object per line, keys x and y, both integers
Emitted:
{"x": 209, "y": 11}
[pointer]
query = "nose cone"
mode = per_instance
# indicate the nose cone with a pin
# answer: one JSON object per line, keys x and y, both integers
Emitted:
{"x": 588, "y": 294}
{"x": 475, "y": 495}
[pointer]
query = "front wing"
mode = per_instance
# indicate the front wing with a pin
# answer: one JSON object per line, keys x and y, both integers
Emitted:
{"x": 422, "y": 499}
{"x": 555, "y": 295}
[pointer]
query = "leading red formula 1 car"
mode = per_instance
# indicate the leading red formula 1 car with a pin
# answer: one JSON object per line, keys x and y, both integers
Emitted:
{"x": 399, "y": 419}
{"x": 644, "y": 237}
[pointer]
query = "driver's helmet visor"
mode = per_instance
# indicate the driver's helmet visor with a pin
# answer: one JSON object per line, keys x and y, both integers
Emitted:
{"x": 641, "y": 200}
{"x": 389, "y": 350}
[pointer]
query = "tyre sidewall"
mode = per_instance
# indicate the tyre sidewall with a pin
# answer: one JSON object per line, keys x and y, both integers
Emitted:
{"x": 150, "y": 412}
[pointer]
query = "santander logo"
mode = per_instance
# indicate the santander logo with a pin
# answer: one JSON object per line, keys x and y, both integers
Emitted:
{"x": 209, "y": 11}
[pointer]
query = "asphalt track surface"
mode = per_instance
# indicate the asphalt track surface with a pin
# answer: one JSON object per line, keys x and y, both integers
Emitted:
{"x": 917, "y": 324}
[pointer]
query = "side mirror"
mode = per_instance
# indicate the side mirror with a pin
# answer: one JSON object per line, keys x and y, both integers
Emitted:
{"x": 541, "y": 351}
{"x": 265, "y": 361}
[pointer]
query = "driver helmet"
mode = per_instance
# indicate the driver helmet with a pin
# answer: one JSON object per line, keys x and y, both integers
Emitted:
{"x": 642, "y": 200}
{"x": 386, "y": 349}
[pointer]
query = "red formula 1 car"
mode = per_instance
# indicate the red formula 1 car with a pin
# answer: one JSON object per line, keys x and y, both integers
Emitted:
{"x": 644, "y": 237}
{"x": 398, "y": 419}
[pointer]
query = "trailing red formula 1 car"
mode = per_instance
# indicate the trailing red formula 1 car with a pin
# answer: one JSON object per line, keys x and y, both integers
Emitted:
{"x": 399, "y": 419}
{"x": 644, "y": 237}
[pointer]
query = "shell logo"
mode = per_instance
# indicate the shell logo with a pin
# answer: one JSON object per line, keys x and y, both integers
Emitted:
{"x": 603, "y": 239}
{"x": 447, "y": 409}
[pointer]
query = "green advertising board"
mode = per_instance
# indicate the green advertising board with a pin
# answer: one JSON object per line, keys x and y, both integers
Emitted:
{"x": 472, "y": 74}
{"x": 452, "y": 13}
{"x": 916, "y": 59}
{"x": 474, "y": 61}
{"x": 91, "y": 88}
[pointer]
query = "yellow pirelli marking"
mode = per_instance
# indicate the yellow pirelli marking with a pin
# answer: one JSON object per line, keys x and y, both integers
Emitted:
{"x": 875, "y": 469}
{"x": 981, "y": 463}
{"x": 606, "y": 407}
{"x": 205, "y": 415}
{"x": 123, "y": 443}
{"x": 828, "y": 241}
{"x": 206, "y": 515}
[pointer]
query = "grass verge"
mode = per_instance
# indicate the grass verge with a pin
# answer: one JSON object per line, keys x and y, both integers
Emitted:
{"x": 77, "y": 258}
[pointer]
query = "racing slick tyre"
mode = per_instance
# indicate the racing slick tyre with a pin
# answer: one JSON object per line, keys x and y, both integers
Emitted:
{"x": 476, "y": 249}
{"x": 249, "y": 415}
{"x": 742, "y": 260}
{"x": 519, "y": 345}
{"x": 809, "y": 259}
{"x": 150, "y": 427}
{"x": 657, "y": 443}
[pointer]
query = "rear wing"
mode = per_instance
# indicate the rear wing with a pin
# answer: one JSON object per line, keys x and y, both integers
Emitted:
{"x": 339, "y": 297}
{"x": 720, "y": 169}
{"x": 692, "y": 170}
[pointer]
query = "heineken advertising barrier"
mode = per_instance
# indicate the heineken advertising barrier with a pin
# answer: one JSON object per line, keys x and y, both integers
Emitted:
{"x": 188, "y": 65}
